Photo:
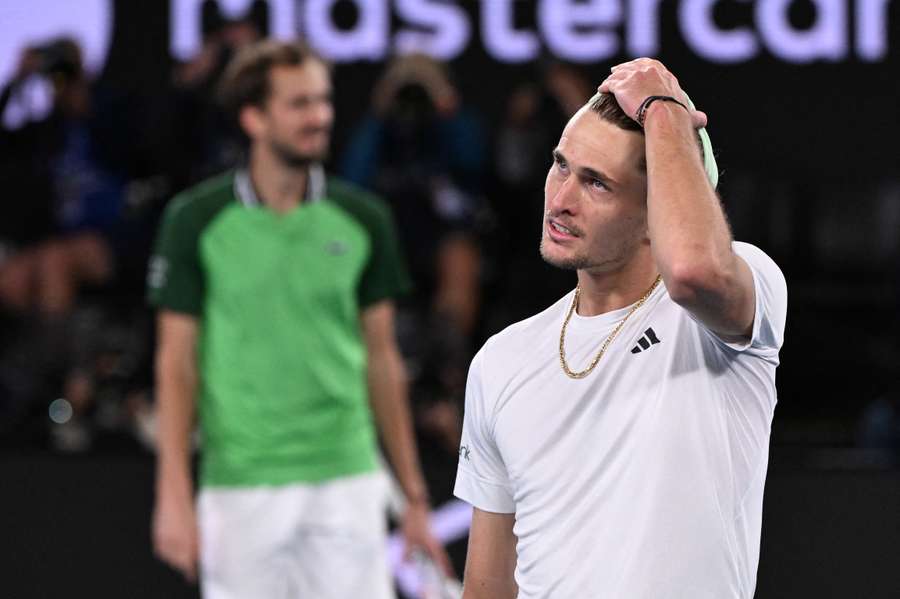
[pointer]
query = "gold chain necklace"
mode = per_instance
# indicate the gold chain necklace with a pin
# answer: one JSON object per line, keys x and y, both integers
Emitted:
{"x": 562, "y": 333}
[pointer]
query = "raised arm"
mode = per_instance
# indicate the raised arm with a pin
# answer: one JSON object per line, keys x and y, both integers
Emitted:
{"x": 491, "y": 559}
{"x": 689, "y": 234}
{"x": 174, "y": 519}
{"x": 388, "y": 394}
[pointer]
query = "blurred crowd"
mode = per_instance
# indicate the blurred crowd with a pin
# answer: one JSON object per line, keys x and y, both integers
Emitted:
{"x": 87, "y": 170}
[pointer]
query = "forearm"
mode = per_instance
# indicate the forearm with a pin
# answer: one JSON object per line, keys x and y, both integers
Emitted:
{"x": 176, "y": 386}
{"x": 458, "y": 274}
{"x": 388, "y": 393}
{"x": 690, "y": 238}
{"x": 490, "y": 589}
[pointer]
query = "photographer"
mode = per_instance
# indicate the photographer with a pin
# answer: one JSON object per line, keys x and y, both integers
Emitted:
{"x": 424, "y": 152}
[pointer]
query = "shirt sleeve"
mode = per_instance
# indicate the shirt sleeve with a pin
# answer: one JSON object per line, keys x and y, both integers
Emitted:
{"x": 385, "y": 275}
{"x": 481, "y": 478}
{"x": 175, "y": 277}
{"x": 770, "y": 311}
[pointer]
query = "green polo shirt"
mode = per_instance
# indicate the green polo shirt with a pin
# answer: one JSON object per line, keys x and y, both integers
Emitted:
{"x": 283, "y": 394}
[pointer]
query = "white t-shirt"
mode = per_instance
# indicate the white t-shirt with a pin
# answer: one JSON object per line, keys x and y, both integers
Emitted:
{"x": 643, "y": 480}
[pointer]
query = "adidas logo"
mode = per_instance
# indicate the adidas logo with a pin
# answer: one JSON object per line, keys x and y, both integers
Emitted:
{"x": 647, "y": 339}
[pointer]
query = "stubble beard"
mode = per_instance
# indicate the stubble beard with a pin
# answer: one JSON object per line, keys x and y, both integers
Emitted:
{"x": 574, "y": 262}
{"x": 293, "y": 159}
{"x": 581, "y": 261}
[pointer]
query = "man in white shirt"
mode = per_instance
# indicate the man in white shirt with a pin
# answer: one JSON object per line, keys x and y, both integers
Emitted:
{"x": 615, "y": 445}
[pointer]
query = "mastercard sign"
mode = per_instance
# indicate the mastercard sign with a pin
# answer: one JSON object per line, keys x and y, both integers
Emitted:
{"x": 573, "y": 30}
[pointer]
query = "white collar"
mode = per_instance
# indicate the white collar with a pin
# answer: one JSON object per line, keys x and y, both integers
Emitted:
{"x": 246, "y": 194}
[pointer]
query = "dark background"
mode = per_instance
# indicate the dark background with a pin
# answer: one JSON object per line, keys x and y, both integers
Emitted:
{"x": 811, "y": 173}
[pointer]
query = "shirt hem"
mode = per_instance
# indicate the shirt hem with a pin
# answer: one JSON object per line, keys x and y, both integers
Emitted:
{"x": 271, "y": 477}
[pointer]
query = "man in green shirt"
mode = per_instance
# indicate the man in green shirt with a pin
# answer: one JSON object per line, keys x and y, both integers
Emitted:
{"x": 274, "y": 285}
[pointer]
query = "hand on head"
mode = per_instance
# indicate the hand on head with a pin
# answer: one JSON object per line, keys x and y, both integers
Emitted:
{"x": 632, "y": 82}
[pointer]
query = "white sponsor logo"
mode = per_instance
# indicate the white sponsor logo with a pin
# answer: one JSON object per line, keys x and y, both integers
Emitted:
{"x": 157, "y": 272}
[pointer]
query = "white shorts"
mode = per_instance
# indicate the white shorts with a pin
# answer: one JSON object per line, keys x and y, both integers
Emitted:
{"x": 306, "y": 541}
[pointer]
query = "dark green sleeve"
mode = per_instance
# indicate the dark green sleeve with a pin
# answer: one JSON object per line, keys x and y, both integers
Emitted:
{"x": 175, "y": 277}
{"x": 385, "y": 275}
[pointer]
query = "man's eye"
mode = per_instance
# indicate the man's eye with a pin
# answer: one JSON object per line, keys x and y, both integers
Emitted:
{"x": 598, "y": 185}
{"x": 561, "y": 165}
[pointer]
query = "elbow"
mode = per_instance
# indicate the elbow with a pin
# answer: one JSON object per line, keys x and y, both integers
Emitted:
{"x": 687, "y": 281}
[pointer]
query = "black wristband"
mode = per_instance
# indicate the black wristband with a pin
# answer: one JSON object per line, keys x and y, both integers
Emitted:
{"x": 642, "y": 109}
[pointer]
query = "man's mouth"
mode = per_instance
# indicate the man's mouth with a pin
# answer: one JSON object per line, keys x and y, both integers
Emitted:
{"x": 560, "y": 230}
{"x": 313, "y": 134}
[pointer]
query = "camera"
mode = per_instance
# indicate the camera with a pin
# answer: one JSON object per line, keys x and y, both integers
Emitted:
{"x": 61, "y": 57}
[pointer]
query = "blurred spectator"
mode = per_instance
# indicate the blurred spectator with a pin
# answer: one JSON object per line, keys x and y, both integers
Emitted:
{"x": 424, "y": 151}
{"x": 535, "y": 114}
{"x": 67, "y": 169}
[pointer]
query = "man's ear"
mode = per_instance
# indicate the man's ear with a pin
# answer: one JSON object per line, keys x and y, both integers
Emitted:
{"x": 252, "y": 121}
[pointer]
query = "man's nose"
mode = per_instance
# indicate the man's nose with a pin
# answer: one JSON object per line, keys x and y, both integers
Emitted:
{"x": 322, "y": 114}
{"x": 565, "y": 198}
